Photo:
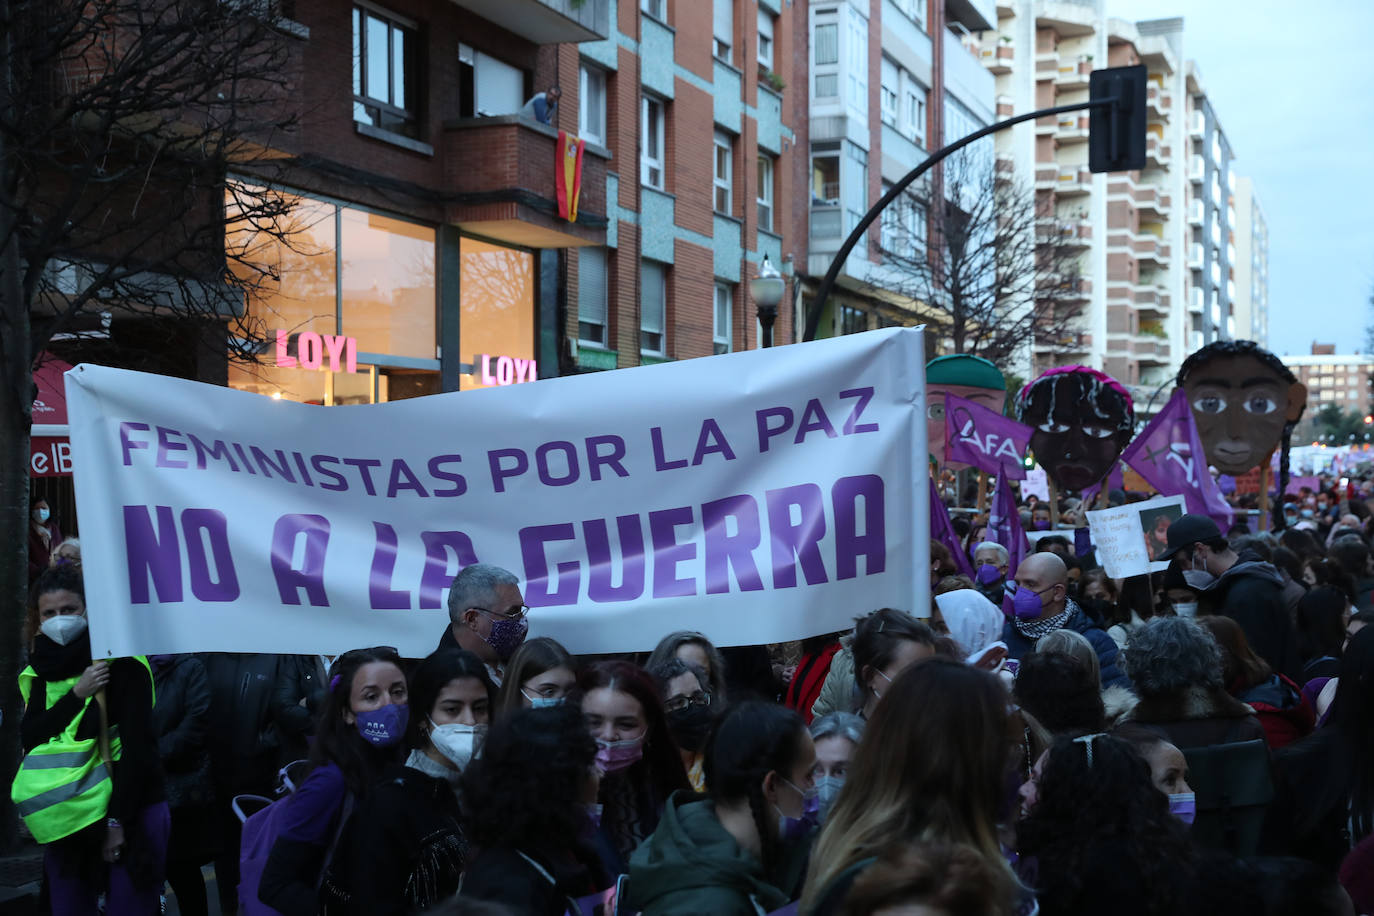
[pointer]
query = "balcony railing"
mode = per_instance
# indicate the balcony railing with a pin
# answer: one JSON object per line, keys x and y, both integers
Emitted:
{"x": 998, "y": 55}
{"x": 1195, "y": 256}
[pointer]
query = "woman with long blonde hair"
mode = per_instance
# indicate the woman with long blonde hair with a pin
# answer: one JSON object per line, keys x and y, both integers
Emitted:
{"x": 930, "y": 768}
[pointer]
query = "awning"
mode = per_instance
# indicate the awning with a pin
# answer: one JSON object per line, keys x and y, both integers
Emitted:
{"x": 50, "y": 453}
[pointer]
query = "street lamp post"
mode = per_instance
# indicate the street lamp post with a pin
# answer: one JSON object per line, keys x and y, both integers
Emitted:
{"x": 767, "y": 289}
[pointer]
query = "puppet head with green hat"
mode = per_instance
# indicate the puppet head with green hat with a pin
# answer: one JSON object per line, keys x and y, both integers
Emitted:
{"x": 964, "y": 376}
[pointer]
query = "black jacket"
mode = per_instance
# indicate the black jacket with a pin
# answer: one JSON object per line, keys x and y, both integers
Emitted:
{"x": 504, "y": 875}
{"x": 181, "y": 721}
{"x": 248, "y": 711}
{"x": 1251, "y": 594}
{"x": 1019, "y": 646}
{"x": 299, "y": 696}
{"x": 403, "y": 850}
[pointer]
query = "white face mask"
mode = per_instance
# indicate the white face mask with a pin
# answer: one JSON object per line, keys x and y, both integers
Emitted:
{"x": 459, "y": 743}
{"x": 1185, "y": 608}
{"x": 64, "y": 629}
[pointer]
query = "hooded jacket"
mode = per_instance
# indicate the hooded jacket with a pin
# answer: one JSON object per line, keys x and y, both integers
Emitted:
{"x": 1281, "y": 709}
{"x": 1019, "y": 646}
{"x": 1251, "y": 594}
{"x": 691, "y": 865}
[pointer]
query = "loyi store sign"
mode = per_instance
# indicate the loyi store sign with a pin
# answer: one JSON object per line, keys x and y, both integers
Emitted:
{"x": 339, "y": 353}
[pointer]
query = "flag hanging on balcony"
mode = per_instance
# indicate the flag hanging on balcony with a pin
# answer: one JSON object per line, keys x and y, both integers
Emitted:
{"x": 568, "y": 174}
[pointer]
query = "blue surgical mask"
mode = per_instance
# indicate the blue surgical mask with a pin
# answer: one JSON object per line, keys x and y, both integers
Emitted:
{"x": 1183, "y": 806}
{"x": 793, "y": 828}
{"x": 543, "y": 702}
{"x": 827, "y": 790}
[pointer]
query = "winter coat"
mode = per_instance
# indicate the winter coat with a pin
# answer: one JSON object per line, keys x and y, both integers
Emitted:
{"x": 1281, "y": 709}
{"x": 181, "y": 722}
{"x": 1301, "y": 820}
{"x": 1251, "y": 594}
{"x": 1198, "y": 717}
{"x": 810, "y": 677}
{"x": 403, "y": 849}
{"x": 245, "y": 745}
{"x": 532, "y": 881}
{"x": 1019, "y": 646}
{"x": 691, "y": 865}
{"x": 1117, "y": 703}
{"x": 837, "y": 695}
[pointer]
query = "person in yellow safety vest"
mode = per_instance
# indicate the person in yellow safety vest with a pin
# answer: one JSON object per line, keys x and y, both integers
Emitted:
{"x": 90, "y": 791}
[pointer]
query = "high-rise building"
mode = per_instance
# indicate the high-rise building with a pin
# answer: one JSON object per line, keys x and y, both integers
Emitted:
{"x": 1343, "y": 380}
{"x": 890, "y": 81}
{"x": 1211, "y": 218}
{"x": 1252, "y": 265}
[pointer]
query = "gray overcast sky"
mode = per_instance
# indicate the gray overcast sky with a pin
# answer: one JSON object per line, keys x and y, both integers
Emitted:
{"x": 1290, "y": 83}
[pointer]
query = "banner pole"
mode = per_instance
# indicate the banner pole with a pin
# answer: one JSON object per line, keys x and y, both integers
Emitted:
{"x": 1054, "y": 503}
{"x": 982, "y": 491}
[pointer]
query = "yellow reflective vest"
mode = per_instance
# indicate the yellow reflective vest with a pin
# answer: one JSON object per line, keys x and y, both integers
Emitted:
{"x": 63, "y": 785}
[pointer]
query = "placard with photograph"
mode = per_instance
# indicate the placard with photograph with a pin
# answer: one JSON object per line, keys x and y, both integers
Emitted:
{"x": 1129, "y": 537}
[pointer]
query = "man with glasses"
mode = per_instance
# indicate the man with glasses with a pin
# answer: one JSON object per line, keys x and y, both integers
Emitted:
{"x": 487, "y": 615}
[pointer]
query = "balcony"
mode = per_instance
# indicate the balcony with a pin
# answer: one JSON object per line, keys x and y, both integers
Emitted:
{"x": 1195, "y": 256}
{"x": 1006, "y": 165}
{"x": 1046, "y": 126}
{"x": 1066, "y": 342}
{"x": 1072, "y": 182}
{"x": 1046, "y": 65}
{"x": 546, "y": 22}
{"x": 1073, "y": 233}
{"x": 1046, "y": 177}
{"x": 1196, "y": 212}
{"x": 1151, "y": 297}
{"x": 1158, "y": 101}
{"x": 1150, "y": 250}
{"x": 1150, "y": 350}
{"x": 1157, "y": 155}
{"x": 974, "y": 15}
{"x": 512, "y": 197}
{"x": 1071, "y": 127}
{"x": 1073, "y": 289}
{"x": 1195, "y": 300}
{"x": 1074, "y": 75}
{"x": 997, "y": 55}
{"x": 1197, "y": 168}
{"x": 1197, "y": 125}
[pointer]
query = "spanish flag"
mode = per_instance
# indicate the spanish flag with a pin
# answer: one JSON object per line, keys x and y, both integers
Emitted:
{"x": 568, "y": 174}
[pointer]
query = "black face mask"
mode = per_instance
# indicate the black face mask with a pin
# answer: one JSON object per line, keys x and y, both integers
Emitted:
{"x": 690, "y": 726}
{"x": 1101, "y": 608}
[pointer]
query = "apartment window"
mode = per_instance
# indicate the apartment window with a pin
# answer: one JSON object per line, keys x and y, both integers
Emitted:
{"x": 655, "y": 8}
{"x": 591, "y": 296}
{"x": 653, "y": 302}
{"x": 488, "y": 87}
{"x": 857, "y": 57}
{"x": 385, "y": 82}
{"x": 721, "y": 327}
{"x": 765, "y": 38}
{"x": 723, "y": 28}
{"x": 591, "y": 113}
{"x": 765, "y": 193}
{"x": 916, "y": 114}
{"x": 825, "y": 51}
{"x": 651, "y": 142}
{"x": 825, "y": 174}
{"x": 720, "y": 172}
{"x": 888, "y": 93}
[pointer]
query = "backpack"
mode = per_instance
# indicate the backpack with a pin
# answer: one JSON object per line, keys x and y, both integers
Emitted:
{"x": 261, "y": 818}
{"x": 1234, "y": 786}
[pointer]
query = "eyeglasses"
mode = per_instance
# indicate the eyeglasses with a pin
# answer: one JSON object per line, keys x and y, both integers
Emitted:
{"x": 679, "y": 703}
{"x": 516, "y": 614}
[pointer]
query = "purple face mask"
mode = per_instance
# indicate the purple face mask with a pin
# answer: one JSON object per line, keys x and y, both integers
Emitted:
{"x": 1183, "y": 806}
{"x": 383, "y": 727}
{"x": 507, "y": 635}
{"x": 988, "y": 574}
{"x": 1042, "y": 524}
{"x": 1026, "y": 604}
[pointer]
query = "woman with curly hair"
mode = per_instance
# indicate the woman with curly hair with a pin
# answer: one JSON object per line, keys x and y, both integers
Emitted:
{"x": 531, "y": 810}
{"x": 1097, "y": 836}
{"x": 639, "y": 761}
{"x": 931, "y": 768}
{"x": 744, "y": 846}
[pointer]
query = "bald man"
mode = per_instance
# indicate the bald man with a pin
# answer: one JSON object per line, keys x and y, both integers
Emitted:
{"x": 1041, "y": 605}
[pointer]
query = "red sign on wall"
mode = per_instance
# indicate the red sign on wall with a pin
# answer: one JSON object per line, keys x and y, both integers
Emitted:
{"x": 50, "y": 456}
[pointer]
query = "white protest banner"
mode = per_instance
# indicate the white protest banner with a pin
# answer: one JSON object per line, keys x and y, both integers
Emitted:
{"x": 757, "y": 497}
{"x": 1037, "y": 483}
{"x": 1128, "y": 538}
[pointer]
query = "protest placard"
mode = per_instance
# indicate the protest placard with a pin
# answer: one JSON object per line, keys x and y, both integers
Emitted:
{"x": 757, "y": 497}
{"x": 1128, "y": 538}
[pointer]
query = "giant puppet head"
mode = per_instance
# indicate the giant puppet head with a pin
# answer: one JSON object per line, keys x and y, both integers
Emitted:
{"x": 1081, "y": 420}
{"x": 964, "y": 376}
{"x": 1245, "y": 402}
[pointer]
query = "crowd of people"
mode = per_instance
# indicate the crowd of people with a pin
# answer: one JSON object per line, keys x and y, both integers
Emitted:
{"x": 1038, "y": 739}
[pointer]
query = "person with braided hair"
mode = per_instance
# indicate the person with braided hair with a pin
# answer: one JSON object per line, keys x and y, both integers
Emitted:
{"x": 741, "y": 849}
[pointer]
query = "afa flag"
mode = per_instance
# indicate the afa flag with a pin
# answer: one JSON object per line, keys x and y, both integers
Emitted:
{"x": 985, "y": 439}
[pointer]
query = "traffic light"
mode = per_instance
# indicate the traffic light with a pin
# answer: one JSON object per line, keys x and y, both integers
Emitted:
{"x": 1116, "y": 131}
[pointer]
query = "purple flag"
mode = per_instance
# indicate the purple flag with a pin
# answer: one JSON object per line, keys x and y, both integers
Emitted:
{"x": 1115, "y": 480}
{"x": 984, "y": 438}
{"x": 1004, "y": 527}
{"x": 1168, "y": 454}
{"x": 942, "y": 531}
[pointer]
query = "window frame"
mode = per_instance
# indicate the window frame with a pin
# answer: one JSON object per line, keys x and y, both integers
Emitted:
{"x": 645, "y": 265}
{"x": 766, "y": 19}
{"x": 722, "y": 183}
{"x": 655, "y": 8}
{"x": 585, "y": 73}
{"x": 605, "y": 323}
{"x": 889, "y": 93}
{"x": 763, "y": 195}
{"x": 722, "y": 337}
{"x": 411, "y": 87}
{"x": 722, "y": 46}
{"x": 647, "y": 162}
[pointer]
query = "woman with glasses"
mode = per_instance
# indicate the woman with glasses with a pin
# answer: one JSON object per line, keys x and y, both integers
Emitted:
{"x": 687, "y": 703}
{"x": 694, "y": 649}
{"x": 636, "y": 755}
{"x": 361, "y": 731}
{"x": 742, "y": 849}
{"x": 540, "y": 673}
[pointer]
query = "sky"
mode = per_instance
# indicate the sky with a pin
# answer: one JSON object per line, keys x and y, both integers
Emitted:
{"x": 1290, "y": 83}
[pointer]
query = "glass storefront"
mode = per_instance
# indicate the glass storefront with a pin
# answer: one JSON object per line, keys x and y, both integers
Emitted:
{"x": 498, "y": 314}
{"x": 347, "y": 301}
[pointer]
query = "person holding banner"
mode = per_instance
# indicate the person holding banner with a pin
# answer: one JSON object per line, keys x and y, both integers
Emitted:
{"x": 742, "y": 849}
{"x": 360, "y": 732}
{"x": 638, "y": 760}
{"x": 487, "y": 615}
{"x": 90, "y": 786}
